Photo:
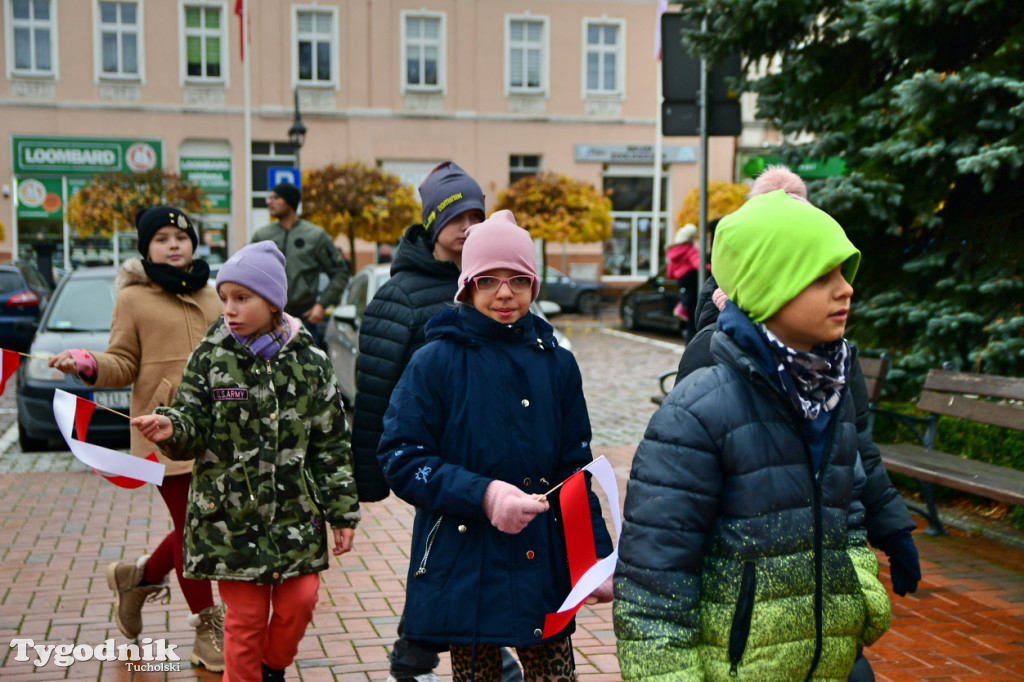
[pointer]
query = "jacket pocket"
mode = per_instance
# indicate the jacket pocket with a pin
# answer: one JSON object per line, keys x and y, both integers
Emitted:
{"x": 428, "y": 545}
{"x": 740, "y": 631}
{"x": 160, "y": 397}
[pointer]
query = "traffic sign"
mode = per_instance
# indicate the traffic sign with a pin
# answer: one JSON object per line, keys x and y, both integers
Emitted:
{"x": 277, "y": 174}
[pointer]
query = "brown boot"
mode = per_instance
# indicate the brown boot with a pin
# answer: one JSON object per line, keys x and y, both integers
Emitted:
{"x": 123, "y": 578}
{"x": 208, "y": 650}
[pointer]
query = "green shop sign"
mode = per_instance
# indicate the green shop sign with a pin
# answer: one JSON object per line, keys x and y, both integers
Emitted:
{"x": 84, "y": 156}
{"x": 41, "y": 197}
{"x": 808, "y": 168}
{"x": 213, "y": 175}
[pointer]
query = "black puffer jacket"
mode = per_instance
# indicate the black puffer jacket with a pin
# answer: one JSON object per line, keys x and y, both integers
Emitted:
{"x": 420, "y": 287}
{"x": 885, "y": 512}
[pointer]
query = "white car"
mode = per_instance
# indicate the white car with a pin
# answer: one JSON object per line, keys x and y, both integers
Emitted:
{"x": 342, "y": 333}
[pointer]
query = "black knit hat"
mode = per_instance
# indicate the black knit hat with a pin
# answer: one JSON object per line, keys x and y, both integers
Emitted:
{"x": 149, "y": 220}
{"x": 447, "y": 192}
{"x": 291, "y": 194}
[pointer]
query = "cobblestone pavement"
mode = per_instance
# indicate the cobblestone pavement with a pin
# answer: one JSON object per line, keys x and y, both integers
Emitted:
{"x": 62, "y": 524}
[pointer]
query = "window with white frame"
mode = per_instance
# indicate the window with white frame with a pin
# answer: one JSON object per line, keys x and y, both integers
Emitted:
{"x": 527, "y": 54}
{"x": 119, "y": 39}
{"x": 315, "y": 47}
{"x": 521, "y": 166}
{"x": 31, "y": 34}
{"x": 603, "y": 57}
{"x": 205, "y": 42}
{"x": 423, "y": 47}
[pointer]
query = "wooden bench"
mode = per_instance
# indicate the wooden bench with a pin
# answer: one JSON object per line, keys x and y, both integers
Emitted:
{"x": 985, "y": 399}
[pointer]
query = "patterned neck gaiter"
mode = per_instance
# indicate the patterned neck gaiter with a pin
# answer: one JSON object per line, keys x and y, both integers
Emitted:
{"x": 813, "y": 380}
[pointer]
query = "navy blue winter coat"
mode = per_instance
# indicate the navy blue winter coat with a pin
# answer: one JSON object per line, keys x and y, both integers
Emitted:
{"x": 484, "y": 401}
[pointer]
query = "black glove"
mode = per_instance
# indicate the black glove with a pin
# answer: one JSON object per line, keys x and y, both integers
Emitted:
{"x": 904, "y": 566}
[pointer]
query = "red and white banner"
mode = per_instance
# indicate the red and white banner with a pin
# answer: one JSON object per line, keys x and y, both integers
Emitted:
{"x": 11, "y": 360}
{"x": 585, "y": 571}
{"x": 127, "y": 471}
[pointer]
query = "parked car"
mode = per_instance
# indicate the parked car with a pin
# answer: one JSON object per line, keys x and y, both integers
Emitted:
{"x": 342, "y": 334}
{"x": 23, "y": 296}
{"x": 77, "y": 316}
{"x": 649, "y": 305}
{"x": 572, "y": 294}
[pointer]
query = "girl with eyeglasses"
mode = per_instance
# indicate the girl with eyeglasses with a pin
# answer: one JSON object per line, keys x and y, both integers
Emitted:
{"x": 488, "y": 416}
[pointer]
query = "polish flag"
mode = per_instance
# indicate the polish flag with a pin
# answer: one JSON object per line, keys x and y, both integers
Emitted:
{"x": 10, "y": 363}
{"x": 73, "y": 412}
{"x": 585, "y": 571}
{"x": 662, "y": 8}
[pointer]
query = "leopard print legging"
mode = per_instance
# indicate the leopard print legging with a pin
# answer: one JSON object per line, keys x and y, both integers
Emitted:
{"x": 547, "y": 662}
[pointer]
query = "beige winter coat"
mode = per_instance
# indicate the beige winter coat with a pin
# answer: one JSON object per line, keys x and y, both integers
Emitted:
{"x": 152, "y": 333}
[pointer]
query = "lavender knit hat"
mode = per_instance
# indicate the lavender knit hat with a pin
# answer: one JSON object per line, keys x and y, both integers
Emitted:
{"x": 259, "y": 267}
{"x": 497, "y": 242}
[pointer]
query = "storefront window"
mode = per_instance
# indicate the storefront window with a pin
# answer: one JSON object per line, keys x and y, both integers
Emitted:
{"x": 627, "y": 253}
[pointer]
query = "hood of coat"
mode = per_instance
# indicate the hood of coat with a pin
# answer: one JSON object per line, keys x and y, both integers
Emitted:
{"x": 220, "y": 335}
{"x": 415, "y": 253}
{"x": 468, "y": 326}
{"x": 131, "y": 273}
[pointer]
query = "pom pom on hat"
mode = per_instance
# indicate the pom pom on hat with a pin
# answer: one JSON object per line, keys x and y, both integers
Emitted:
{"x": 149, "y": 220}
{"x": 686, "y": 233}
{"x": 769, "y": 250}
{"x": 447, "y": 192}
{"x": 779, "y": 177}
{"x": 260, "y": 268}
{"x": 497, "y": 242}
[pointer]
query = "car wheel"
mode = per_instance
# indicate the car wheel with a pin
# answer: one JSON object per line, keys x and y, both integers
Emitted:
{"x": 588, "y": 302}
{"x": 30, "y": 444}
{"x": 628, "y": 313}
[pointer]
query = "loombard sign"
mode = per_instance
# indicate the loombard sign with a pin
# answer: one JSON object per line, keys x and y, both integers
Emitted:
{"x": 84, "y": 156}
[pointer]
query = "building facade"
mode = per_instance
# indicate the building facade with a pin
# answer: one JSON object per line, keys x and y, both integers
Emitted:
{"x": 502, "y": 87}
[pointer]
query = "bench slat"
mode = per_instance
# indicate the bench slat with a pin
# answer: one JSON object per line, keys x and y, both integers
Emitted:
{"x": 989, "y": 385}
{"x": 983, "y": 411}
{"x": 971, "y": 476}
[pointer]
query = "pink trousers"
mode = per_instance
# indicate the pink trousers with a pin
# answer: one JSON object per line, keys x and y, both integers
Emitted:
{"x": 264, "y": 624}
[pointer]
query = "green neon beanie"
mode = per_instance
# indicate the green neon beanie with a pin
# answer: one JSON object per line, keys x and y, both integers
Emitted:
{"x": 772, "y": 247}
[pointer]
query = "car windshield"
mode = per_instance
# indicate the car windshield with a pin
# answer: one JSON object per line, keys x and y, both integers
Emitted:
{"x": 82, "y": 305}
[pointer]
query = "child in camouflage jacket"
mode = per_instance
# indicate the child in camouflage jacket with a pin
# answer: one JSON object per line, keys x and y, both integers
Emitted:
{"x": 259, "y": 410}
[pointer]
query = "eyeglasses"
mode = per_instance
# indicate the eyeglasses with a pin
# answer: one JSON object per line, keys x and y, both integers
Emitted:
{"x": 518, "y": 284}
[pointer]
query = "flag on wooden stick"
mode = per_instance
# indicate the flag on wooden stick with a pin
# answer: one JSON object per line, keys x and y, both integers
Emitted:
{"x": 11, "y": 360}
{"x": 585, "y": 571}
{"x": 71, "y": 411}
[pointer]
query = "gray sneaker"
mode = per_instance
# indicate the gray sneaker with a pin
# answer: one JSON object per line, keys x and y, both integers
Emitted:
{"x": 123, "y": 578}
{"x": 208, "y": 650}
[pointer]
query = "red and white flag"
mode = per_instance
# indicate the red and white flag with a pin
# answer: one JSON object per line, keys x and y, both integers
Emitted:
{"x": 127, "y": 471}
{"x": 10, "y": 363}
{"x": 662, "y": 8}
{"x": 585, "y": 571}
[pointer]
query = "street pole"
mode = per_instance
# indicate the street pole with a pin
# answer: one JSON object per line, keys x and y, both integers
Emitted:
{"x": 702, "y": 99}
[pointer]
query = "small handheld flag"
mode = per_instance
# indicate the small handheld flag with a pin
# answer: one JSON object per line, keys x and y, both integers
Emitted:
{"x": 11, "y": 360}
{"x": 585, "y": 571}
{"x": 128, "y": 471}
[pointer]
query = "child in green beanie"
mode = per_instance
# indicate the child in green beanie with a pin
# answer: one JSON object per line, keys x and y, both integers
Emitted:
{"x": 742, "y": 553}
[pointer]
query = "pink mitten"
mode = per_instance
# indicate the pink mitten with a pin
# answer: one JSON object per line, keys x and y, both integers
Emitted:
{"x": 719, "y": 298}
{"x": 85, "y": 363}
{"x": 509, "y": 509}
{"x": 603, "y": 594}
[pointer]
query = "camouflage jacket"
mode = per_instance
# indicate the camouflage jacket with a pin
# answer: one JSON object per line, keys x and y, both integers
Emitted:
{"x": 272, "y": 459}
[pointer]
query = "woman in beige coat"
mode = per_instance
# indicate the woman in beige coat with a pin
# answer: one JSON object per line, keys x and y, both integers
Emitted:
{"x": 164, "y": 306}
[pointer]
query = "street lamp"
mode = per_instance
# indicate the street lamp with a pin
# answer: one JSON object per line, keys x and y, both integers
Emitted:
{"x": 297, "y": 133}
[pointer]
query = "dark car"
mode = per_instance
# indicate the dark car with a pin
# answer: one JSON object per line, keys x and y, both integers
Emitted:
{"x": 23, "y": 295}
{"x": 649, "y": 305}
{"x": 77, "y": 316}
{"x": 571, "y": 294}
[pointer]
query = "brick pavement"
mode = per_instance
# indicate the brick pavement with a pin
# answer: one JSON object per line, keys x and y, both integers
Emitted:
{"x": 61, "y": 525}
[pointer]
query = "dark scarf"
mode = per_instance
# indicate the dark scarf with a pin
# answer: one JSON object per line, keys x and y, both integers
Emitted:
{"x": 813, "y": 380}
{"x": 267, "y": 344}
{"x": 177, "y": 281}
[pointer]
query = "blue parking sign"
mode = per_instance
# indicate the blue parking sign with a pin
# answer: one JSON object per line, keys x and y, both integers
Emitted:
{"x": 276, "y": 174}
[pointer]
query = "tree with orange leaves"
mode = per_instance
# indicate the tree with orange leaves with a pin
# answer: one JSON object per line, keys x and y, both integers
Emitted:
{"x": 558, "y": 208}
{"x": 109, "y": 202}
{"x": 360, "y": 202}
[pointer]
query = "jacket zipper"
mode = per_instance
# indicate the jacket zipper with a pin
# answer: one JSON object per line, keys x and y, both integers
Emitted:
{"x": 431, "y": 536}
{"x": 819, "y": 532}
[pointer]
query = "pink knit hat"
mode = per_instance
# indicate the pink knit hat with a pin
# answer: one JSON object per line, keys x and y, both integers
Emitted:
{"x": 497, "y": 242}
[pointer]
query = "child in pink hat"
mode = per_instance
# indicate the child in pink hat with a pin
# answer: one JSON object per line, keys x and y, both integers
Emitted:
{"x": 489, "y": 416}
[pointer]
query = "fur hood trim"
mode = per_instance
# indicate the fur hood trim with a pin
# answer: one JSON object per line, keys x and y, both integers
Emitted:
{"x": 131, "y": 272}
